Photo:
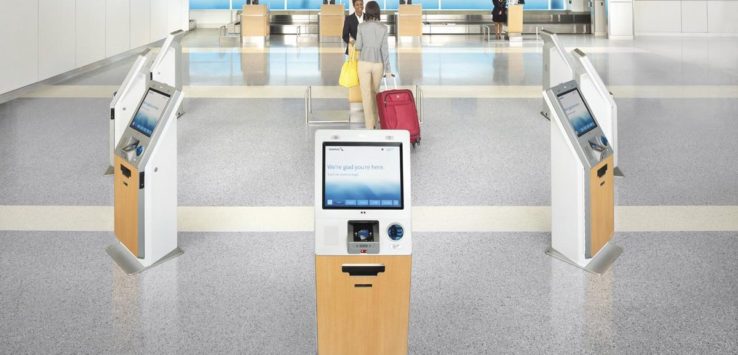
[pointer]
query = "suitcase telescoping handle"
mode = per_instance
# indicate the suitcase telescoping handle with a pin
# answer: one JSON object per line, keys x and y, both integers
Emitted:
{"x": 394, "y": 80}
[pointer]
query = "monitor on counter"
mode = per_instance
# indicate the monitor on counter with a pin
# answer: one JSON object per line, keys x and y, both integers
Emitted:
{"x": 577, "y": 112}
{"x": 362, "y": 175}
{"x": 150, "y": 112}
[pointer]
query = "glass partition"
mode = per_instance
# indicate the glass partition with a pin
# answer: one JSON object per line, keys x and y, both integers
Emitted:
{"x": 455, "y": 5}
{"x": 272, "y": 4}
{"x": 210, "y": 4}
{"x": 466, "y": 5}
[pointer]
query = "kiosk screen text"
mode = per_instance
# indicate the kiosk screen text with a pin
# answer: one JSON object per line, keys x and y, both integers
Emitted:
{"x": 149, "y": 112}
{"x": 577, "y": 112}
{"x": 362, "y": 176}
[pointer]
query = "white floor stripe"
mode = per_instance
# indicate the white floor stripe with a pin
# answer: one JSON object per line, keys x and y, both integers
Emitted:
{"x": 430, "y": 91}
{"x": 533, "y": 47}
{"x": 425, "y": 219}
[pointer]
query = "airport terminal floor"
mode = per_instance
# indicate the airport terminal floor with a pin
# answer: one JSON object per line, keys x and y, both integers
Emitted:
{"x": 481, "y": 281}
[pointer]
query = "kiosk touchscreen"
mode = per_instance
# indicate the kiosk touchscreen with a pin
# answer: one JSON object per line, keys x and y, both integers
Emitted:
{"x": 363, "y": 241}
{"x": 146, "y": 182}
{"x": 582, "y": 184}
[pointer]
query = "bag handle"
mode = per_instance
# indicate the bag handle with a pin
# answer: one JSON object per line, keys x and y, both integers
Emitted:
{"x": 394, "y": 80}
{"x": 352, "y": 53}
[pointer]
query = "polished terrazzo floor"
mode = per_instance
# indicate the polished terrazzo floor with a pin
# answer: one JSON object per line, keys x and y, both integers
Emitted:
{"x": 473, "y": 290}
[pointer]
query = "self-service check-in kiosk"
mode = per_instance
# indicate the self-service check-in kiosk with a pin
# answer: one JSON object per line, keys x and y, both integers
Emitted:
{"x": 363, "y": 241}
{"x": 582, "y": 183}
{"x": 165, "y": 67}
{"x": 145, "y": 182}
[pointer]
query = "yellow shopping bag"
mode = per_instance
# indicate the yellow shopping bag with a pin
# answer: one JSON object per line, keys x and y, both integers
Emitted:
{"x": 350, "y": 70}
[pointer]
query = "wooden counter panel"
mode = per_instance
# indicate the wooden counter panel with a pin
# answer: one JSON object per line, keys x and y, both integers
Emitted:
{"x": 602, "y": 205}
{"x": 363, "y": 320}
{"x": 126, "y": 205}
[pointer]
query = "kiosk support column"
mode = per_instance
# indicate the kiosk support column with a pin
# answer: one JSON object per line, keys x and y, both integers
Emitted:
{"x": 582, "y": 183}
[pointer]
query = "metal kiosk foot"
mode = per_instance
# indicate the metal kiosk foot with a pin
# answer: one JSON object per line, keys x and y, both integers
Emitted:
{"x": 130, "y": 264}
{"x": 599, "y": 264}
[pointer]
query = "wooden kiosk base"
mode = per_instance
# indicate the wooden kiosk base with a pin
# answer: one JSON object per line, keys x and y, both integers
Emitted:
{"x": 362, "y": 314}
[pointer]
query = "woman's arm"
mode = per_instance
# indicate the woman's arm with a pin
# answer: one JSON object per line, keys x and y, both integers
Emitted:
{"x": 346, "y": 34}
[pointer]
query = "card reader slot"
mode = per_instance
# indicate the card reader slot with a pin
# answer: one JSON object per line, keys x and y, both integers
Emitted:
{"x": 601, "y": 171}
{"x": 126, "y": 172}
{"x": 362, "y": 269}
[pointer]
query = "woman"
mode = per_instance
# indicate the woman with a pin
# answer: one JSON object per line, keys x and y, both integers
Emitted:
{"x": 499, "y": 16}
{"x": 371, "y": 40}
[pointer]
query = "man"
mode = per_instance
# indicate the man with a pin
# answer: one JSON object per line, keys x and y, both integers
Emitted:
{"x": 351, "y": 24}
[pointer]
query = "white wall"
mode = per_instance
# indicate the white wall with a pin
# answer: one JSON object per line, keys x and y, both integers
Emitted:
{"x": 18, "y": 44}
{"x": 117, "y": 27}
{"x": 669, "y": 17}
{"x": 56, "y": 37}
{"x": 159, "y": 18}
{"x": 40, "y": 39}
{"x": 140, "y": 23}
{"x": 90, "y": 31}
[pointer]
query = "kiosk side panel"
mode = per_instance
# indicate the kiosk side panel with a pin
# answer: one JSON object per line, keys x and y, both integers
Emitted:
{"x": 126, "y": 205}
{"x": 602, "y": 196}
{"x": 363, "y": 314}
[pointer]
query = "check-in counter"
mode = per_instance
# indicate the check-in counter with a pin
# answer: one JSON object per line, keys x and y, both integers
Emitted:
{"x": 515, "y": 21}
{"x": 331, "y": 22}
{"x": 255, "y": 24}
{"x": 409, "y": 22}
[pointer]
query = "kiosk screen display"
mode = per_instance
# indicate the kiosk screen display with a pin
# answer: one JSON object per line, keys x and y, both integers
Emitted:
{"x": 577, "y": 112}
{"x": 362, "y": 175}
{"x": 150, "y": 112}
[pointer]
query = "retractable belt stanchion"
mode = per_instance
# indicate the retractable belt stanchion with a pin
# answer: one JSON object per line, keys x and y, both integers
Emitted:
{"x": 363, "y": 241}
{"x": 165, "y": 67}
{"x": 145, "y": 183}
{"x": 582, "y": 183}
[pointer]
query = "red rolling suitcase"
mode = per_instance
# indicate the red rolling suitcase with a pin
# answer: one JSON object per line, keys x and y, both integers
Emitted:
{"x": 396, "y": 110}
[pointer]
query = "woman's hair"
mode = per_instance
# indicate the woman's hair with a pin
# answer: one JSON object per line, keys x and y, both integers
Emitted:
{"x": 371, "y": 11}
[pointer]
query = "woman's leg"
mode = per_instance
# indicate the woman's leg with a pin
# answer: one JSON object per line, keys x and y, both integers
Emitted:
{"x": 365, "y": 84}
{"x": 377, "y": 71}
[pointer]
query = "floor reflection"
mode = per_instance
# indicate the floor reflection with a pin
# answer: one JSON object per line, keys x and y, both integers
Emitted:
{"x": 143, "y": 301}
{"x": 581, "y": 310}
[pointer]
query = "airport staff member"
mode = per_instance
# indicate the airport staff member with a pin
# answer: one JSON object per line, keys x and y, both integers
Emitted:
{"x": 499, "y": 16}
{"x": 352, "y": 22}
{"x": 371, "y": 40}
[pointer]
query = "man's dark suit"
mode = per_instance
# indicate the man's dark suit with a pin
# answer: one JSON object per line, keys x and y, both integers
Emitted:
{"x": 350, "y": 26}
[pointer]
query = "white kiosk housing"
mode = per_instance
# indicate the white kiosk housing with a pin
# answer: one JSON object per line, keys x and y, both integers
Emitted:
{"x": 146, "y": 182}
{"x": 557, "y": 66}
{"x": 126, "y": 98}
{"x": 165, "y": 67}
{"x": 560, "y": 66}
{"x": 363, "y": 241}
{"x": 582, "y": 183}
{"x": 600, "y": 100}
